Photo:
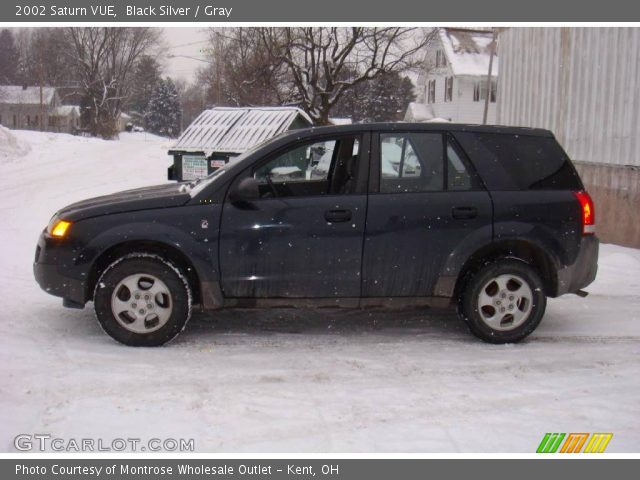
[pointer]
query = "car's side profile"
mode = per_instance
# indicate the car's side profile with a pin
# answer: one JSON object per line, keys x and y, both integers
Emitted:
{"x": 492, "y": 220}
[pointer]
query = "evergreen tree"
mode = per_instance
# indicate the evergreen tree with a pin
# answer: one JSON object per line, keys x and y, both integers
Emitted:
{"x": 146, "y": 75}
{"x": 9, "y": 58}
{"x": 382, "y": 99}
{"x": 163, "y": 112}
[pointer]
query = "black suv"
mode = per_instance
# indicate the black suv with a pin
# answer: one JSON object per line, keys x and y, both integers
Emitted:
{"x": 490, "y": 219}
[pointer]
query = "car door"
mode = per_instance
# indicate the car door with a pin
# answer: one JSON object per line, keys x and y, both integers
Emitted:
{"x": 425, "y": 204}
{"x": 303, "y": 237}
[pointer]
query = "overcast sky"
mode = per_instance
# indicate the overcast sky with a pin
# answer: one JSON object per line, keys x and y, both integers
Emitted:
{"x": 187, "y": 41}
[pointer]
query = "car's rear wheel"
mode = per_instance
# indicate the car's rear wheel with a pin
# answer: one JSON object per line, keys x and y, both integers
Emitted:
{"x": 142, "y": 300}
{"x": 503, "y": 302}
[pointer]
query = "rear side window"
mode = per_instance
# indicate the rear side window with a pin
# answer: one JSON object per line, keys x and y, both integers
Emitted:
{"x": 519, "y": 162}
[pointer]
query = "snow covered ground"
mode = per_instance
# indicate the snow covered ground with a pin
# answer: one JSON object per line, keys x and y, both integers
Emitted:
{"x": 294, "y": 381}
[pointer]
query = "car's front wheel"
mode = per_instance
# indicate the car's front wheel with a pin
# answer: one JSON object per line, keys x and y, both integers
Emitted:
{"x": 142, "y": 300}
{"x": 503, "y": 302}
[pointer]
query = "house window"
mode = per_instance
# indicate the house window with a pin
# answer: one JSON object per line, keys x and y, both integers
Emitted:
{"x": 441, "y": 60}
{"x": 15, "y": 122}
{"x": 431, "y": 91}
{"x": 28, "y": 120}
{"x": 480, "y": 91}
{"x": 448, "y": 89}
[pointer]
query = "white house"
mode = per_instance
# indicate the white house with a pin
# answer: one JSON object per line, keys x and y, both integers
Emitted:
{"x": 30, "y": 108}
{"x": 453, "y": 84}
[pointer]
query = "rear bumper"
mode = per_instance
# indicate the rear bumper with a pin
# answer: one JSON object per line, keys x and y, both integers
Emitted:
{"x": 583, "y": 271}
{"x": 50, "y": 277}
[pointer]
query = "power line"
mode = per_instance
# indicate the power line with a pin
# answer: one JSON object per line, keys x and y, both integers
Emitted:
{"x": 189, "y": 44}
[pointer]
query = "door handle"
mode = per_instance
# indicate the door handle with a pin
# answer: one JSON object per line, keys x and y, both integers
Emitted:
{"x": 335, "y": 216}
{"x": 464, "y": 212}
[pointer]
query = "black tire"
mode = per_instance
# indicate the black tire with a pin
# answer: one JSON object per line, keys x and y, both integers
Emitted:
{"x": 158, "y": 268}
{"x": 474, "y": 315}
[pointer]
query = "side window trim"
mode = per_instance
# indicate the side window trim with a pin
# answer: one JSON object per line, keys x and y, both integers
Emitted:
{"x": 477, "y": 182}
{"x": 374, "y": 164}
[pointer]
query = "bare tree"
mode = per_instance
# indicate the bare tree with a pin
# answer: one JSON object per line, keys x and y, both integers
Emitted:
{"x": 192, "y": 100}
{"x": 241, "y": 71}
{"x": 42, "y": 58}
{"x": 323, "y": 63}
{"x": 104, "y": 59}
{"x": 9, "y": 58}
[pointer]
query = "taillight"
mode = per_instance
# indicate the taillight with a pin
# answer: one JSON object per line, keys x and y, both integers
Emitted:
{"x": 588, "y": 212}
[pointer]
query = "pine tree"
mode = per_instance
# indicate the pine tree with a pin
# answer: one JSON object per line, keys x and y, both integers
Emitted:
{"x": 164, "y": 113}
{"x": 146, "y": 75}
{"x": 382, "y": 99}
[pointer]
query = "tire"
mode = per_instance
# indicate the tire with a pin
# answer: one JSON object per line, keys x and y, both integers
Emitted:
{"x": 503, "y": 302}
{"x": 142, "y": 300}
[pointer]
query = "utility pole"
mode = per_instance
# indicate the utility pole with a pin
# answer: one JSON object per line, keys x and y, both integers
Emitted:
{"x": 489, "y": 87}
{"x": 41, "y": 78}
{"x": 217, "y": 50}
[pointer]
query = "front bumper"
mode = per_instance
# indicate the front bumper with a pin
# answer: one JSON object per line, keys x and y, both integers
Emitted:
{"x": 48, "y": 269}
{"x": 583, "y": 271}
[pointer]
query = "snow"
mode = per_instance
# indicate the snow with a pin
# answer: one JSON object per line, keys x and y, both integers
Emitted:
{"x": 289, "y": 380}
{"x": 418, "y": 112}
{"x": 437, "y": 120}
{"x": 468, "y": 51}
{"x": 340, "y": 121}
{"x": 16, "y": 94}
{"x": 10, "y": 147}
{"x": 236, "y": 130}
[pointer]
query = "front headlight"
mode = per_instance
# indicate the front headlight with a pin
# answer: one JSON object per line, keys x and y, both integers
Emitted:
{"x": 58, "y": 228}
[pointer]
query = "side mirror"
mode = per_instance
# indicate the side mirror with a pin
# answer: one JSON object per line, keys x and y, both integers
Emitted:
{"x": 247, "y": 190}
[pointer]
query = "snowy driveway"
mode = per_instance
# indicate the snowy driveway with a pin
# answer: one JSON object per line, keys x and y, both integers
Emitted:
{"x": 287, "y": 380}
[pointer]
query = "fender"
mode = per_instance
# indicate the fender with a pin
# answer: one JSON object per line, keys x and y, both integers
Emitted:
{"x": 192, "y": 230}
{"x": 454, "y": 262}
{"x": 479, "y": 244}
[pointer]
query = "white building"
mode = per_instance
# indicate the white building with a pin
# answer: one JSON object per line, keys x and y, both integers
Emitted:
{"x": 584, "y": 85}
{"x": 32, "y": 108}
{"x": 453, "y": 84}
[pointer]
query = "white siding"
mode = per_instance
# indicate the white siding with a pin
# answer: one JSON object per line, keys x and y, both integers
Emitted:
{"x": 462, "y": 108}
{"x": 581, "y": 83}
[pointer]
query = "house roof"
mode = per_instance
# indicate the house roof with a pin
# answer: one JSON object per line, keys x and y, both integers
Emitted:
{"x": 235, "y": 130}
{"x": 16, "y": 94}
{"x": 418, "y": 112}
{"x": 468, "y": 51}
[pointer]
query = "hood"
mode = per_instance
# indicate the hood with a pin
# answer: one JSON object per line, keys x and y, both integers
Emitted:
{"x": 159, "y": 196}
